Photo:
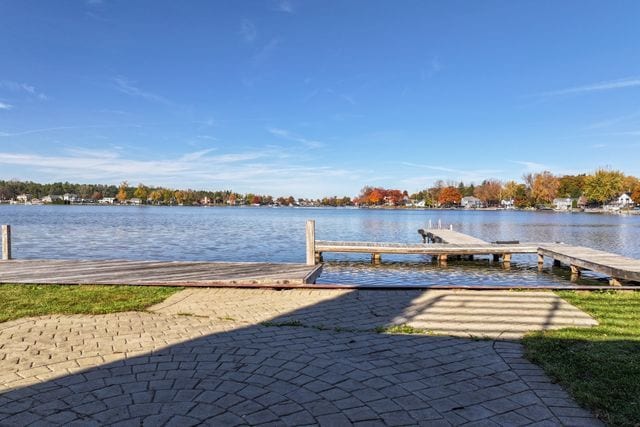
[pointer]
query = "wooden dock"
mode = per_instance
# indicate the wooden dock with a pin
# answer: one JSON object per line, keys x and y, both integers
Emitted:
{"x": 579, "y": 258}
{"x": 452, "y": 237}
{"x": 156, "y": 273}
{"x": 451, "y": 243}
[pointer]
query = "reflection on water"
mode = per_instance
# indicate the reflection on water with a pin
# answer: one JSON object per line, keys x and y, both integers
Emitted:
{"x": 277, "y": 235}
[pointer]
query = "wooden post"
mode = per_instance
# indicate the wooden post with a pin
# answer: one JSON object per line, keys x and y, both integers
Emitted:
{"x": 575, "y": 270}
{"x": 506, "y": 258}
{"x": 311, "y": 242}
{"x": 376, "y": 258}
{"x": 6, "y": 242}
{"x": 540, "y": 259}
{"x": 614, "y": 282}
{"x": 442, "y": 259}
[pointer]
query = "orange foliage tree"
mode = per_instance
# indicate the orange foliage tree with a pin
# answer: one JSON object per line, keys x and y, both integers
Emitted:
{"x": 489, "y": 192}
{"x": 449, "y": 196}
{"x": 545, "y": 187}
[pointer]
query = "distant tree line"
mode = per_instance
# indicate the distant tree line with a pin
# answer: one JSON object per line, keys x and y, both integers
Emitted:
{"x": 535, "y": 189}
{"x": 11, "y": 189}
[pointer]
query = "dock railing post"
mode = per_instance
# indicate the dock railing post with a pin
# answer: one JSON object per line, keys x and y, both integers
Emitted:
{"x": 311, "y": 242}
{"x": 6, "y": 242}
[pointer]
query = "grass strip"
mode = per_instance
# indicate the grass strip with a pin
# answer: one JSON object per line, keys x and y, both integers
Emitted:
{"x": 600, "y": 366}
{"x": 18, "y": 301}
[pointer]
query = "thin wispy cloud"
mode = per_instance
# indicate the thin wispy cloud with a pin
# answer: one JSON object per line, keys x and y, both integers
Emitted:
{"x": 457, "y": 174}
{"x": 613, "y": 121}
{"x": 266, "y": 51}
{"x": 431, "y": 69}
{"x": 284, "y": 6}
{"x": 261, "y": 171}
{"x": 129, "y": 88}
{"x": 5, "y": 106}
{"x": 62, "y": 128}
{"x": 531, "y": 166}
{"x": 248, "y": 31}
{"x": 283, "y": 133}
{"x": 632, "y": 82}
{"x": 22, "y": 88}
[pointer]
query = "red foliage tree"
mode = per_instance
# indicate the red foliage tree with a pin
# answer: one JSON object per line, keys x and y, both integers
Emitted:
{"x": 449, "y": 196}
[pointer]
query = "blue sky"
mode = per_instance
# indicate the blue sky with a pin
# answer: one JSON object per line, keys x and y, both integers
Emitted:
{"x": 315, "y": 98}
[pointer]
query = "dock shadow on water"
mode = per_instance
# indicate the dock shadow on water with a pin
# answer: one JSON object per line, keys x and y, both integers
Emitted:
{"x": 296, "y": 357}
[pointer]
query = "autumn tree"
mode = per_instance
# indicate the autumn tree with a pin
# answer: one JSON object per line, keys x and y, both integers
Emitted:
{"x": 603, "y": 185}
{"x": 630, "y": 184}
{"x": 489, "y": 192}
{"x": 544, "y": 187}
{"x": 122, "y": 191}
{"x": 141, "y": 192}
{"x": 571, "y": 186}
{"x": 509, "y": 191}
{"x": 156, "y": 196}
{"x": 449, "y": 196}
{"x": 395, "y": 197}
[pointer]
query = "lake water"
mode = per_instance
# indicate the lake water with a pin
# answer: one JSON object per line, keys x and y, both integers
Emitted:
{"x": 278, "y": 235}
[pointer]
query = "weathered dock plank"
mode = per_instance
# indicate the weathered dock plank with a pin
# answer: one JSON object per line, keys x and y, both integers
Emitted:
{"x": 161, "y": 273}
{"x": 425, "y": 249}
{"x": 452, "y": 237}
{"x": 579, "y": 258}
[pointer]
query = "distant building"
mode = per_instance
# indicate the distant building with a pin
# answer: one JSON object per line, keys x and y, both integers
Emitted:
{"x": 107, "y": 200}
{"x": 135, "y": 201}
{"x": 563, "y": 204}
{"x": 508, "y": 204}
{"x": 23, "y": 198}
{"x": 625, "y": 200}
{"x": 70, "y": 197}
{"x": 471, "y": 202}
{"x": 51, "y": 199}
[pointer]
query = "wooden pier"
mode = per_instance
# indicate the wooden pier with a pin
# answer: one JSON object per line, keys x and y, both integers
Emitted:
{"x": 454, "y": 244}
{"x": 578, "y": 258}
{"x": 156, "y": 273}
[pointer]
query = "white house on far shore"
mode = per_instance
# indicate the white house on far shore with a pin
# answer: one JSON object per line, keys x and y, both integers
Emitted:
{"x": 625, "y": 200}
{"x": 563, "y": 203}
{"x": 470, "y": 202}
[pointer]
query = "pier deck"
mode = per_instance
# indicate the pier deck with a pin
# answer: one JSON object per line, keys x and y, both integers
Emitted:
{"x": 159, "y": 273}
{"x": 451, "y": 243}
{"x": 578, "y": 258}
{"x": 453, "y": 237}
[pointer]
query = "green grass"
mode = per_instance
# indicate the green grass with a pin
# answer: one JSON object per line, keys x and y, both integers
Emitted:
{"x": 402, "y": 329}
{"x": 600, "y": 366}
{"x": 18, "y": 301}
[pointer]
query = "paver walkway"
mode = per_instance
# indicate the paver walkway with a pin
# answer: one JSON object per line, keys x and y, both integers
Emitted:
{"x": 224, "y": 368}
{"x": 487, "y": 314}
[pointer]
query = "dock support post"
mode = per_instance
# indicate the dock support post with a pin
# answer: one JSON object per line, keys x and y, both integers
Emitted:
{"x": 442, "y": 259}
{"x": 376, "y": 258}
{"x": 575, "y": 270}
{"x": 311, "y": 242}
{"x": 506, "y": 261}
{"x": 6, "y": 242}
{"x": 614, "y": 282}
{"x": 540, "y": 262}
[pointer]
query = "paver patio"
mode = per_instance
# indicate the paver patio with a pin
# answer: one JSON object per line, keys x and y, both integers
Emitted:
{"x": 203, "y": 357}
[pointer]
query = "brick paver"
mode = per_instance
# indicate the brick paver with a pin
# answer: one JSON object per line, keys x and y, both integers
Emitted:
{"x": 222, "y": 367}
{"x": 489, "y": 314}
